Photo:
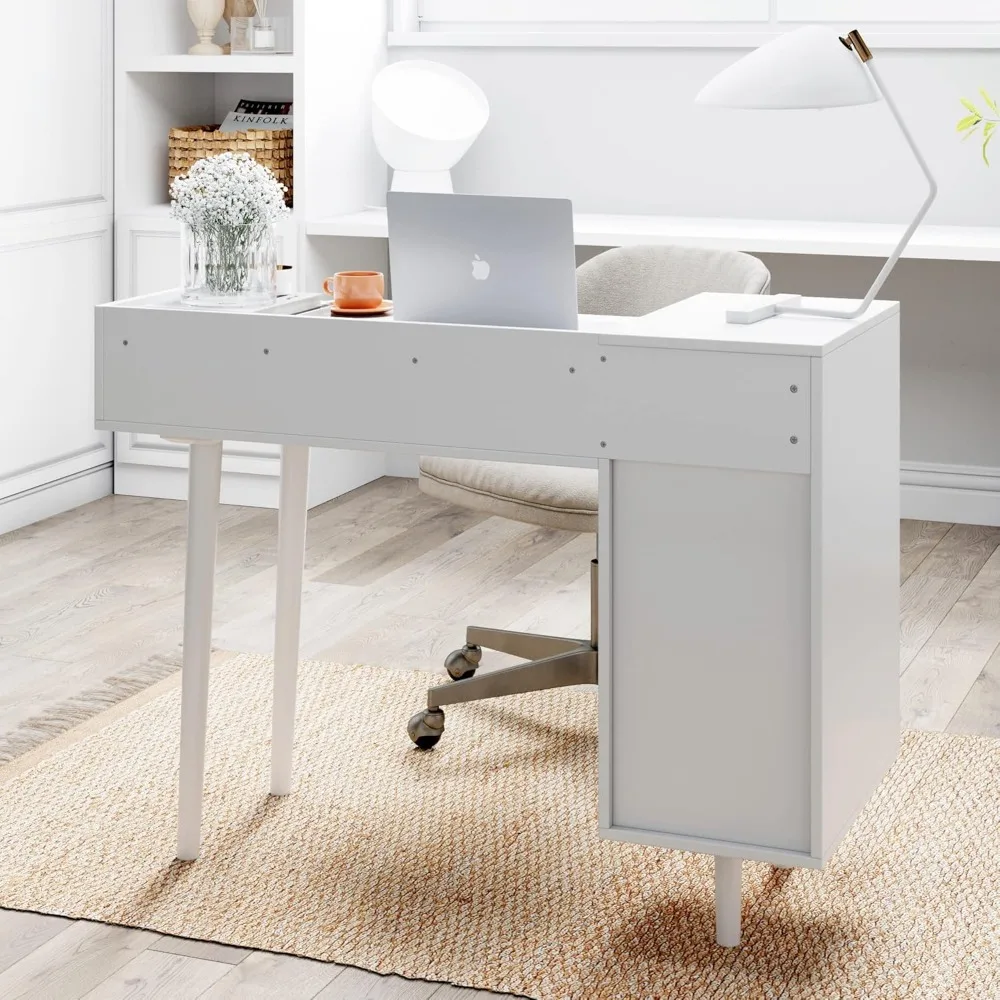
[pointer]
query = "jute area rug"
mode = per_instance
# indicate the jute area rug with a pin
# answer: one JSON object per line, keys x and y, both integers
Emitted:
{"x": 479, "y": 863}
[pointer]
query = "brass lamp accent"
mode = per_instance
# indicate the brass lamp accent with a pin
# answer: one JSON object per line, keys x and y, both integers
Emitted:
{"x": 854, "y": 41}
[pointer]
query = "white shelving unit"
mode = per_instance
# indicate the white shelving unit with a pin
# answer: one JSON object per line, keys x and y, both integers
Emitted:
{"x": 753, "y": 235}
{"x": 158, "y": 85}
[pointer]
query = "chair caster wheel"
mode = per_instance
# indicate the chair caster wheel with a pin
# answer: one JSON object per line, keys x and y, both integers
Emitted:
{"x": 463, "y": 662}
{"x": 426, "y": 727}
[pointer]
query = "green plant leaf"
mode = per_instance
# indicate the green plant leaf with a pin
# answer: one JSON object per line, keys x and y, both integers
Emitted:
{"x": 991, "y": 104}
{"x": 986, "y": 142}
{"x": 988, "y": 128}
{"x": 966, "y": 103}
{"x": 969, "y": 121}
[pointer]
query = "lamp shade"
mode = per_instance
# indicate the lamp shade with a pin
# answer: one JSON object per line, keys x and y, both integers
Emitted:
{"x": 806, "y": 68}
{"x": 425, "y": 115}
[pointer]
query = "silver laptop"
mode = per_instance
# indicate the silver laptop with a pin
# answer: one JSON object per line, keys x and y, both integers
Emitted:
{"x": 482, "y": 259}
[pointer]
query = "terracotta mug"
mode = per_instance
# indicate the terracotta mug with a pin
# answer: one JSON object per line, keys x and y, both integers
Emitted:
{"x": 356, "y": 289}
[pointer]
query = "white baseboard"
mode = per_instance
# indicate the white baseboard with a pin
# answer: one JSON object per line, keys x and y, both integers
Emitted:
{"x": 54, "y": 498}
{"x": 930, "y": 491}
{"x": 331, "y": 474}
{"x": 963, "y": 494}
{"x": 402, "y": 466}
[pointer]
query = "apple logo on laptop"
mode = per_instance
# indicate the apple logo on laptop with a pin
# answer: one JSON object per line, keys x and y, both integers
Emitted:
{"x": 480, "y": 268}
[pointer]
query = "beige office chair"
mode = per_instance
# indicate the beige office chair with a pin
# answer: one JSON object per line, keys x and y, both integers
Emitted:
{"x": 627, "y": 281}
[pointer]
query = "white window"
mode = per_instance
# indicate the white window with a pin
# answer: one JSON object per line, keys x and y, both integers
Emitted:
{"x": 590, "y": 12}
{"x": 904, "y": 23}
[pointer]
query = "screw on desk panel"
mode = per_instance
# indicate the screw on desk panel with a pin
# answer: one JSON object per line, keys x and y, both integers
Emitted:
{"x": 604, "y": 444}
{"x": 414, "y": 360}
{"x": 604, "y": 357}
{"x": 267, "y": 350}
{"x": 794, "y": 439}
{"x": 793, "y": 388}
{"x": 572, "y": 371}
{"x": 125, "y": 342}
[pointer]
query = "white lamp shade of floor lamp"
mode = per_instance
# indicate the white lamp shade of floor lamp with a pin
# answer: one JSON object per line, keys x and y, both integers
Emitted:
{"x": 812, "y": 67}
{"x": 425, "y": 115}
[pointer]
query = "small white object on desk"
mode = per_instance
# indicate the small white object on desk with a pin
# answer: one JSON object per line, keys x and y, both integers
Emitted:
{"x": 285, "y": 280}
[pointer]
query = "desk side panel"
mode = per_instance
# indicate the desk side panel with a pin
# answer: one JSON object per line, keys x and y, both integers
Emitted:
{"x": 710, "y": 728}
{"x": 856, "y": 575}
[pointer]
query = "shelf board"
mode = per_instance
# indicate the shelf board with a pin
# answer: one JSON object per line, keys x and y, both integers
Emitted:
{"x": 214, "y": 64}
{"x": 161, "y": 213}
{"x": 845, "y": 239}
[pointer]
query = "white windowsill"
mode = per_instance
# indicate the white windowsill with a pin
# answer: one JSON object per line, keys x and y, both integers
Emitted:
{"x": 674, "y": 39}
{"x": 843, "y": 239}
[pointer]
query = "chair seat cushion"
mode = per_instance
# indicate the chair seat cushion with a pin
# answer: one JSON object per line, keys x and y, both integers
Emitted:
{"x": 553, "y": 496}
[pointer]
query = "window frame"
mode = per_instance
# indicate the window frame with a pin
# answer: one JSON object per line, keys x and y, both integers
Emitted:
{"x": 912, "y": 24}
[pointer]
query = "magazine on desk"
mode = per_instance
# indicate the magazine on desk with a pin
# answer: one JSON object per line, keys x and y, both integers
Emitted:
{"x": 251, "y": 114}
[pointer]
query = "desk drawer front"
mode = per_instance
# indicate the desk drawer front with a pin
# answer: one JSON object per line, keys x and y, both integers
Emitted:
{"x": 709, "y": 408}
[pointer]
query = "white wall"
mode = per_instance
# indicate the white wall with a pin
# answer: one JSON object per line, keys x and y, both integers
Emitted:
{"x": 617, "y": 130}
{"x": 55, "y": 261}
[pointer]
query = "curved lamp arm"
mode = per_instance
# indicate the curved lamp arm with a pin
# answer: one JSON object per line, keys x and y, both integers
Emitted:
{"x": 789, "y": 304}
{"x": 910, "y": 229}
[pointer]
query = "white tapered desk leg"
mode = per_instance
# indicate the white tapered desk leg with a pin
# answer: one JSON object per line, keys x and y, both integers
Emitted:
{"x": 205, "y": 472}
{"x": 728, "y": 900}
{"x": 292, "y": 510}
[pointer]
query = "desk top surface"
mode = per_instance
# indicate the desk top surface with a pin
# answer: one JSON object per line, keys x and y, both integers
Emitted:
{"x": 698, "y": 323}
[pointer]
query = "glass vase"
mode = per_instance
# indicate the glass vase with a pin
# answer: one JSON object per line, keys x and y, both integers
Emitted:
{"x": 229, "y": 267}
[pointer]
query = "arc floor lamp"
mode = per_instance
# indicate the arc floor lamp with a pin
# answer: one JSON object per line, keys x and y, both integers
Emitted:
{"x": 813, "y": 67}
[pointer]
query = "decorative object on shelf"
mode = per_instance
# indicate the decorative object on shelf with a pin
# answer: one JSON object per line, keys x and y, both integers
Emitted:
{"x": 238, "y": 15}
{"x": 813, "y": 67}
{"x": 240, "y": 35}
{"x": 205, "y": 16}
{"x": 282, "y": 34}
{"x": 264, "y": 39}
{"x": 267, "y": 115}
{"x": 971, "y": 122}
{"x": 228, "y": 206}
{"x": 270, "y": 148}
{"x": 425, "y": 115}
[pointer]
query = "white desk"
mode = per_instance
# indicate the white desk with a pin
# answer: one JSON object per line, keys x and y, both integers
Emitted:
{"x": 749, "y": 503}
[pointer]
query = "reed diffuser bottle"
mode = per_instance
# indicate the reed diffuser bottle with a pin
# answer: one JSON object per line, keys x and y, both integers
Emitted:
{"x": 264, "y": 38}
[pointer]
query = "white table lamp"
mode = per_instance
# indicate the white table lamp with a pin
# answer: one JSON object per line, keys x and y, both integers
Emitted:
{"x": 812, "y": 67}
{"x": 425, "y": 115}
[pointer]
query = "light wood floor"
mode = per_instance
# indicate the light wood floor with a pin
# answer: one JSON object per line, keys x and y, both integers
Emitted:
{"x": 392, "y": 578}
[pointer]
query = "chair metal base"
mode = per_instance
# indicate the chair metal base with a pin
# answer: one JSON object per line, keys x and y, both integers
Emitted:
{"x": 553, "y": 662}
{"x": 577, "y": 665}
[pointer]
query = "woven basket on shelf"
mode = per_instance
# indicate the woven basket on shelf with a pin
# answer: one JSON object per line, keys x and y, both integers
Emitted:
{"x": 271, "y": 148}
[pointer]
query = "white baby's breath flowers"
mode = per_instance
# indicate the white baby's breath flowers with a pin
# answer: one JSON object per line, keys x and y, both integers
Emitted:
{"x": 227, "y": 191}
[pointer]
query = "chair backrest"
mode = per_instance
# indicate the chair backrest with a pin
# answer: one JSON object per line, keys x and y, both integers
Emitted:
{"x": 633, "y": 281}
